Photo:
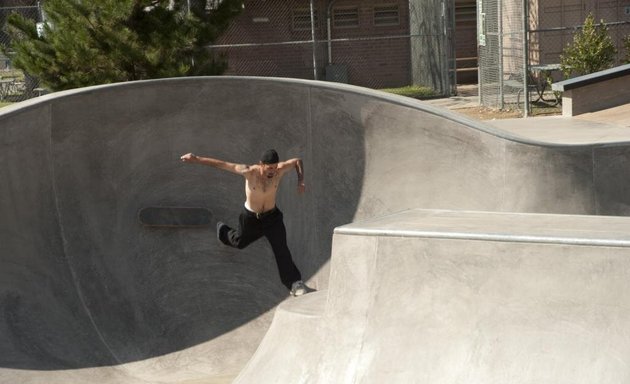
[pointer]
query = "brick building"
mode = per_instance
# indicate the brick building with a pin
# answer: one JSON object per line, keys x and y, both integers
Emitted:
{"x": 465, "y": 40}
{"x": 371, "y": 37}
{"x": 371, "y": 40}
{"x": 375, "y": 43}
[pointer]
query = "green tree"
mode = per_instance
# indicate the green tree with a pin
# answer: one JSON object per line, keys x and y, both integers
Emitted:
{"x": 592, "y": 50}
{"x": 97, "y": 42}
{"x": 626, "y": 45}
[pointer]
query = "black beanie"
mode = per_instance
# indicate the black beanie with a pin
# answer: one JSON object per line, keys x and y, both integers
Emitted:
{"x": 270, "y": 156}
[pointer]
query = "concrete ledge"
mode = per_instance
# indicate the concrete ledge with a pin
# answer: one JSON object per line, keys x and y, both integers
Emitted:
{"x": 596, "y": 91}
{"x": 457, "y": 309}
{"x": 418, "y": 294}
{"x": 497, "y": 226}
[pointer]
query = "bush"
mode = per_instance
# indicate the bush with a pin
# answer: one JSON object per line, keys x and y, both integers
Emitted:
{"x": 626, "y": 45}
{"x": 592, "y": 50}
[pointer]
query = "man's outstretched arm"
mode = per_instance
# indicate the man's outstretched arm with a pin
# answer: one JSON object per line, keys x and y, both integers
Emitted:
{"x": 299, "y": 169}
{"x": 239, "y": 169}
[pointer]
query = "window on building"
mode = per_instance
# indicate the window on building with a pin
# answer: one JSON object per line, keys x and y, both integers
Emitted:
{"x": 346, "y": 17}
{"x": 302, "y": 19}
{"x": 385, "y": 15}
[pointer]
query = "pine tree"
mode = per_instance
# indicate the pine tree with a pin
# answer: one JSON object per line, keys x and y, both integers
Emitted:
{"x": 592, "y": 50}
{"x": 97, "y": 42}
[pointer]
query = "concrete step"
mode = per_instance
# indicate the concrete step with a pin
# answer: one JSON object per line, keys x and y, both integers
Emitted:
{"x": 432, "y": 296}
{"x": 477, "y": 297}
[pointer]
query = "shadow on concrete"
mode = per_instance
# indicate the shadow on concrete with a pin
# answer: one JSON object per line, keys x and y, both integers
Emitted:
{"x": 83, "y": 284}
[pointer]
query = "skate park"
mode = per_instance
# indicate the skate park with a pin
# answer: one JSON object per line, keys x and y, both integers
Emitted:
{"x": 443, "y": 249}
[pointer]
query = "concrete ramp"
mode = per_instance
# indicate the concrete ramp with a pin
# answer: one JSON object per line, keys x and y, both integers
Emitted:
{"x": 429, "y": 296}
{"x": 89, "y": 294}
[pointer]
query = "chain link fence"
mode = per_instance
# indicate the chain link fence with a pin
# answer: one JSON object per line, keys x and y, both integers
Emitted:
{"x": 553, "y": 25}
{"x": 369, "y": 43}
{"x": 521, "y": 41}
{"x": 501, "y": 52}
{"x": 394, "y": 43}
{"x": 15, "y": 85}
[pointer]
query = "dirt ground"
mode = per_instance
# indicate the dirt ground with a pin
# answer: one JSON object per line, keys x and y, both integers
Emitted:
{"x": 483, "y": 113}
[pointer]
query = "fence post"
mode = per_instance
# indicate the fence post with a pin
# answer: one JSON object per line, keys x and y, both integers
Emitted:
{"x": 525, "y": 57}
{"x": 449, "y": 68}
{"x": 500, "y": 49}
{"x": 313, "y": 41}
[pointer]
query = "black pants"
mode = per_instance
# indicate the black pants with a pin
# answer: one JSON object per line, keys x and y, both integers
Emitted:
{"x": 252, "y": 227}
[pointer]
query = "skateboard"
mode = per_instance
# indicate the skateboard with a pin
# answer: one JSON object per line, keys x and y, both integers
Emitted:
{"x": 174, "y": 217}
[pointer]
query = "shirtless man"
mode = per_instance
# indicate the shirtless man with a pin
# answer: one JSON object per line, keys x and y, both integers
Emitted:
{"x": 260, "y": 216}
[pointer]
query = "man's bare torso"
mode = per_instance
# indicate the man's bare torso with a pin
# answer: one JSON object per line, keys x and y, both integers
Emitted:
{"x": 261, "y": 180}
{"x": 260, "y": 190}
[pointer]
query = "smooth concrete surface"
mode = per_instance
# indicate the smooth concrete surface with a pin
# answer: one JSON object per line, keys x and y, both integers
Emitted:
{"x": 290, "y": 349}
{"x": 428, "y": 296}
{"x": 86, "y": 292}
{"x": 604, "y": 127}
{"x": 619, "y": 115}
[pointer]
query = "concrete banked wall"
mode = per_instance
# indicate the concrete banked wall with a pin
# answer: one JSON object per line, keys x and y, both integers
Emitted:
{"x": 436, "y": 296}
{"x": 83, "y": 285}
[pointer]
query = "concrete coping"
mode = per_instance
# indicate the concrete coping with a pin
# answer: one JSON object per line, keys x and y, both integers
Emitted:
{"x": 45, "y": 101}
{"x": 611, "y": 231}
{"x": 581, "y": 81}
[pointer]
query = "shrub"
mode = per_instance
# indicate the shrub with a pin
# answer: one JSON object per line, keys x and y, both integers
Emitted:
{"x": 592, "y": 50}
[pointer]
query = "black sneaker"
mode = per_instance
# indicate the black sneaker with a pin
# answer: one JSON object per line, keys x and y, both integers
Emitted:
{"x": 220, "y": 226}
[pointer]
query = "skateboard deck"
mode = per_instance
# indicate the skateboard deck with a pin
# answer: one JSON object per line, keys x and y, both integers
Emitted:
{"x": 174, "y": 217}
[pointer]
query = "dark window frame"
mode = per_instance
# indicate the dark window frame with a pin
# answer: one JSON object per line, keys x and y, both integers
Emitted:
{"x": 301, "y": 19}
{"x": 385, "y": 14}
{"x": 349, "y": 17}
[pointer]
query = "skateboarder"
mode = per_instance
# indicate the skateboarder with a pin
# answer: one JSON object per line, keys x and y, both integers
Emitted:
{"x": 260, "y": 215}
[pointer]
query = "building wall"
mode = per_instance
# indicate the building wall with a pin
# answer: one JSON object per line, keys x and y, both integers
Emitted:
{"x": 466, "y": 41}
{"x": 263, "y": 23}
{"x": 377, "y": 63}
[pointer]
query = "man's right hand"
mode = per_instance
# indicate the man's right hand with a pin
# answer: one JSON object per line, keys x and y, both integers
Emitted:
{"x": 189, "y": 158}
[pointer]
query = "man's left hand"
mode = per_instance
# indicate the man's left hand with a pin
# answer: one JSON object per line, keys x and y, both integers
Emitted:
{"x": 301, "y": 188}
